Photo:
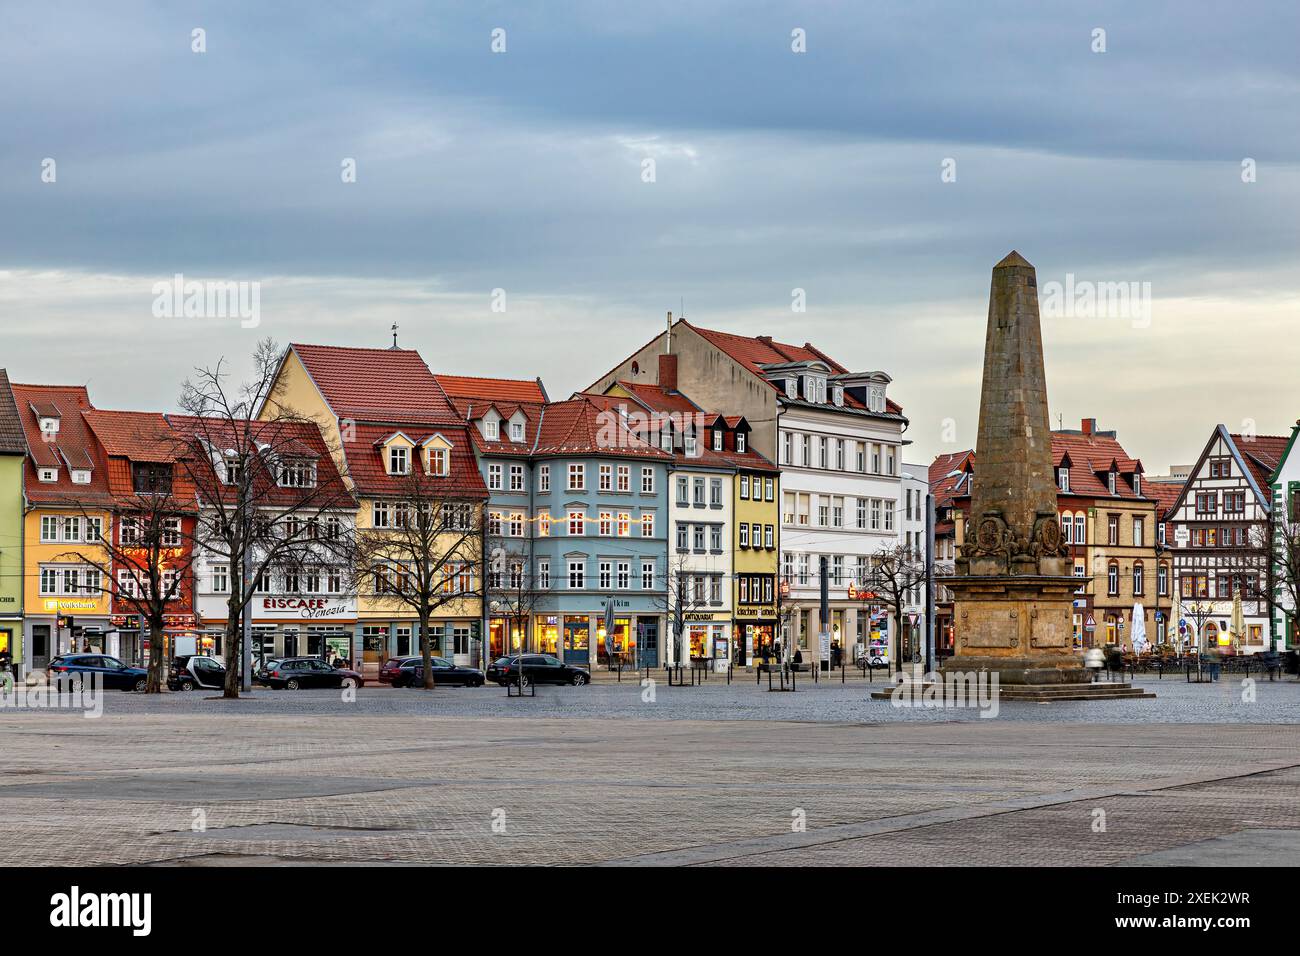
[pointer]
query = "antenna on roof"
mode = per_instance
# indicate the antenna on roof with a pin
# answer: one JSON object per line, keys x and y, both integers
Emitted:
{"x": 669, "y": 347}
{"x": 394, "y": 335}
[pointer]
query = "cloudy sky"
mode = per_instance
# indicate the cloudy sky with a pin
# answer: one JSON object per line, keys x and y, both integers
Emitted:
{"x": 774, "y": 170}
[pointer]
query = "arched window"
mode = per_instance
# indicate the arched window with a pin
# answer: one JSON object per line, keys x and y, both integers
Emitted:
{"x": 1080, "y": 532}
{"x": 1162, "y": 579}
{"x": 1067, "y": 527}
{"x": 1138, "y": 578}
{"x": 1112, "y": 578}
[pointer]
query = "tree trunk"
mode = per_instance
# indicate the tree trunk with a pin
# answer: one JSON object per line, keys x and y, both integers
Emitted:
{"x": 234, "y": 647}
{"x": 425, "y": 649}
{"x": 157, "y": 657}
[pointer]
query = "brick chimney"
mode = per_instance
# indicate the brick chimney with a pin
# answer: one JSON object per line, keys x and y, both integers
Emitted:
{"x": 668, "y": 372}
{"x": 1089, "y": 426}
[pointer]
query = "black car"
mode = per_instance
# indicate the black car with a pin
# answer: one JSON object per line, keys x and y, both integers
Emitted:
{"x": 195, "y": 670}
{"x": 112, "y": 672}
{"x": 295, "y": 673}
{"x": 411, "y": 674}
{"x": 537, "y": 669}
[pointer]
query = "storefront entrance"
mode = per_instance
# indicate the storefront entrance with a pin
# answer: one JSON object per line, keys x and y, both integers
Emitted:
{"x": 618, "y": 648}
{"x": 577, "y": 637}
{"x": 648, "y": 638}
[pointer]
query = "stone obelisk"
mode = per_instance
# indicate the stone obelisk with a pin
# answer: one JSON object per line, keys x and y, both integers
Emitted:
{"x": 1013, "y": 589}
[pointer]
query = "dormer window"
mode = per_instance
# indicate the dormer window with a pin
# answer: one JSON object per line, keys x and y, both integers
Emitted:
{"x": 837, "y": 395}
{"x": 297, "y": 473}
{"x": 516, "y": 431}
{"x": 48, "y": 474}
{"x": 439, "y": 461}
{"x": 80, "y": 476}
{"x": 149, "y": 478}
{"x": 1063, "y": 479}
{"x": 491, "y": 429}
{"x": 49, "y": 425}
{"x": 666, "y": 439}
{"x": 689, "y": 446}
{"x": 791, "y": 388}
{"x": 1111, "y": 482}
{"x": 877, "y": 398}
{"x": 399, "y": 460}
{"x": 234, "y": 470}
{"x": 717, "y": 439}
{"x": 1137, "y": 484}
{"x": 740, "y": 441}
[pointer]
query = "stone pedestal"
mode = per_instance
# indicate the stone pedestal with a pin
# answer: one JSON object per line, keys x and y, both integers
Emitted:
{"x": 1018, "y": 626}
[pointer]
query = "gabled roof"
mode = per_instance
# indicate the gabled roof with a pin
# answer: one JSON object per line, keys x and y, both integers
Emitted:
{"x": 1090, "y": 458}
{"x": 12, "y": 439}
{"x": 214, "y": 436}
{"x": 366, "y": 467}
{"x": 657, "y": 399}
{"x": 375, "y": 385}
{"x": 73, "y": 442}
{"x": 1261, "y": 454}
{"x": 511, "y": 390}
{"x": 947, "y": 471}
{"x": 755, "y": 352}
{"x": 582, "y": 426}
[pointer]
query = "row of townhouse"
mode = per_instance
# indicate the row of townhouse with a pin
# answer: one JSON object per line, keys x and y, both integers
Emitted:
{"x": 1181, "y": 550}
{"x": 684, "y": 505}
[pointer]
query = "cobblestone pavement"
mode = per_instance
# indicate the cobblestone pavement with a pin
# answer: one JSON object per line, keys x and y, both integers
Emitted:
{"x": 702, "y": 776}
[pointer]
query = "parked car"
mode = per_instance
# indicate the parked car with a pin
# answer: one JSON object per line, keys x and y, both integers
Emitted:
{"x": 112, "y": 672}
{"x": 296, "y": 673}
{"x": 411, "y": 674}
{"x": 388, "y": 671}
{"x": 537, "y": 668}
{"x": 190, "y": 671}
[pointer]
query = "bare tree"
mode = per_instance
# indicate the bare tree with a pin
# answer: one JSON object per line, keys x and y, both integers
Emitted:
{"x": 896, "y": 572}
{"x": 511, "y": 587}
{"x": 685, "y": 591}
{"x": 144, "y": 557}
{"x": 270, "y": 501}
{"x": 428, "y": 554}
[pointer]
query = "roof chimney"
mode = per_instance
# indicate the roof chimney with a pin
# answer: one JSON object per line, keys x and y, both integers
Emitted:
{"x": 1089, "y": 426}
{"x": 668, "y": 372}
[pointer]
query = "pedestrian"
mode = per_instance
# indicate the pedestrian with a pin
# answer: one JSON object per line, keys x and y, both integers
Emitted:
{"x": 798, "y": 658}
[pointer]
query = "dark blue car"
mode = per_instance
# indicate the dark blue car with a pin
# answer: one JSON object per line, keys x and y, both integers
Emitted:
{"x": 113, "y": 674}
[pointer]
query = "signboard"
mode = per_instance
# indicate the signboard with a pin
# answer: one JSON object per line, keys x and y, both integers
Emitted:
{"x": 1182, "y": 536}
{"x": 824, "y": 645}
{"x": 296, "y": 607}
{"x": 861, "y": 594}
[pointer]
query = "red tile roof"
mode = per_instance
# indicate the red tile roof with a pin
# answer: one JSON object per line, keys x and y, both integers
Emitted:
{"x": 291, "y": 438}
{"x": 656, "y": 398}
{"x": 147, "y": 437}
{"x": 1262, "y": 454}
{"x": 471, "y": 410}
{"x": 383, "y": 385}
{"x": 492, "y": 389}
{"x": 73, "y": 443}
{"x": 366, "y": 466}
{"x": 946, "y": 470}
{"x": 753, "y": 352}
{"x": 590, "y": 425}
{"x": 1091, "y": 457}
{"x": 1165, "y": 493}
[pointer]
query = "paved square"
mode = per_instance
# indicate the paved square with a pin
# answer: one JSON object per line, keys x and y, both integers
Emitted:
{"x": 713, "y": 775}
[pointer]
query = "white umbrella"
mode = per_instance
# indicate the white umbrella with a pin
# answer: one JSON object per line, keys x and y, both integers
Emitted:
{"x": 1139, "y": 632}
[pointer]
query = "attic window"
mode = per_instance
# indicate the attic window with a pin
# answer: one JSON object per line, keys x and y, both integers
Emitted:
{"x": 439, "y": 461}
{"x": 399, "y": 460}
{"x": 1137, "y": 484}
{"x": 492, "y": 429}
{"x": 49, "y": 425}
{"x": 80, "y": 476}
{"x": 666, "y": 439}
{"x": 297, "y": 473}
{"x": 791, "y": 388}
{"x": 877, "y": 398}
{"x": 234, "y": 470}
{"x": 740, "y": 441}
{"x": 837, "y": 395}
{"x": 516, "y": 431}
{"x": 48, "y": 474}
{"x": 689, "y": 446}
{"x": 717, "y": 439}
{"x": 1063, "y": 478}
{"x": 1111, "y": 482}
